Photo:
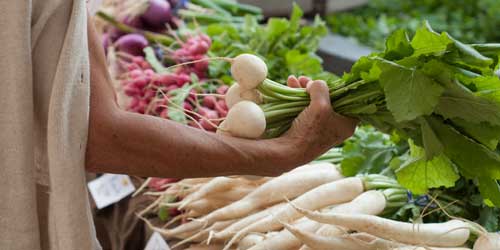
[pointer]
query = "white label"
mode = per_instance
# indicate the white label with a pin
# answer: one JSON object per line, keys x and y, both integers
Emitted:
{"x": 156, "y": 242}
{"x": 110, "y": 188}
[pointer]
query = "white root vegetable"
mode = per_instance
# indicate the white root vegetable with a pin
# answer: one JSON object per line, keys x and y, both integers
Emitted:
{"x": 220, "y": 188}
{"x": 288, "y": 185}
{"x": 489, "y": 241}
{"x": 370, "y": 202}
{"x": 326, "y": 243}
{"x": 320, "y": 166}
{"x": 248, "y": 70}
{"x": 228, "y": 232}
{"x": 205, "y": 206}
{"x": 214, "y": 185}
{"x": 204, "y": 247}
{"x": 246, "y": 120}
{"x": 236, "y": 94}
{"x": 285, "y": 240}
{"x": 250, "y": 240}
{"x": 330, "y": 230}
{"x": 449, "y": 234}
{"x": 332, "y": 193}
{"x": 430, "y": 248}
{"x": 204, "y": 234}
{"x": 232, "y": 194}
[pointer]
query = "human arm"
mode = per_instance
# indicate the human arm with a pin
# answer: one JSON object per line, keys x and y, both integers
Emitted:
{"x": 135, "y": 144}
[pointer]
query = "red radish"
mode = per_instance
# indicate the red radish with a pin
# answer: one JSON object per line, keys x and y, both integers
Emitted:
{"x": 198, "y": 48}
{"x": 183, "y": 79}
{"x": 141, "y": 107}
{"x": 136, "y": 73}
{"x": 149, "y": 72}
{"x": 222, "y": 89}
{"x": 149, "y": 93}
{"x": 201, "y": 66}
{"x": 209, "y": 101}
{"x": 187, "y": 106}
{"x": 221, "y": 108}
{"x": 157, "y": 14}
{"x": 172, "y": 87}
{"x": 164, "y": 114}
{"x": 132, "y": 44}
{"x": 141, "y": 62}
{"x": 158, "y": 184}
{"x": 166, "y": 80}
{"x": 132, "y": 90}
{"x": 132, "y": 66}
{"x": 248, "y": 70}
{"x": 140, "y": 82}
{"x": 206, "y": 39}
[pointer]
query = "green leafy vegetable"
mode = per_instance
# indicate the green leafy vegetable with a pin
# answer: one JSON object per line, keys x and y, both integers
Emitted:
{"x": 432, "y": 89}
{"x": 470, "y": 21}
{"x": 288, "y": 46}
{"x": 420, "y": 175}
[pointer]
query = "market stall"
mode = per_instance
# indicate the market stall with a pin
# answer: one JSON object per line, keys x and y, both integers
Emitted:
{"x": 420, "y": 172}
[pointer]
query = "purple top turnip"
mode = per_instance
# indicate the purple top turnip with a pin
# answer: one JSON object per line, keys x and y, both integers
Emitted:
{"x": 132, "y": 44}
{"x": 157, "y": 14}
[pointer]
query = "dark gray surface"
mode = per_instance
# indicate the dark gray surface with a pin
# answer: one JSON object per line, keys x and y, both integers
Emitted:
{"x": 339, "y": 53}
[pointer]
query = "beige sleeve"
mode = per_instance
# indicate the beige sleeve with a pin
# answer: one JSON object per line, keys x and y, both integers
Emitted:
{"x": 18, "y": 210}
{"x": 44, "y": 105}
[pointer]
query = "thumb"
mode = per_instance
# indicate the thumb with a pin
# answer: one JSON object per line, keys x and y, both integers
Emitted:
{"x": 319, "y": 93}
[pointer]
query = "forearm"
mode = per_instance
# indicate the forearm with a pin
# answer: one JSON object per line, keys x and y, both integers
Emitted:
{"x": 150, "y": 146}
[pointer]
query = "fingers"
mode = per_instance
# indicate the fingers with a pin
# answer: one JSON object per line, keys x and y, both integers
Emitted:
{"x": 303, "y": 80}
{"x": 293, "y": 82}
{"x": 300, "y": 82}
{"x": 320, "y": 95}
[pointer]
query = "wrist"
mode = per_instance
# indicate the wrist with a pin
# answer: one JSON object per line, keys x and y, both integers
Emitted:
{"x": 286, "y": 154}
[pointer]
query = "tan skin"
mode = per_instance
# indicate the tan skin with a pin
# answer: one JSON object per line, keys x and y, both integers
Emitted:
{"x": 135, "y": 144}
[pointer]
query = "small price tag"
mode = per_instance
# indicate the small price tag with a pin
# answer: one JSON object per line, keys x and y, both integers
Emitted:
{"x": 110, "y": 188}
{"x": 156, "y": 242}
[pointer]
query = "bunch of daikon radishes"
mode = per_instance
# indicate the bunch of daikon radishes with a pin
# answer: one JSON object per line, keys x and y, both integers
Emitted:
{"x": 310, "y": 207}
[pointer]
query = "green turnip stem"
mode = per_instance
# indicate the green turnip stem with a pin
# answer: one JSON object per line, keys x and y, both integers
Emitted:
{"x": 282, "y": 103}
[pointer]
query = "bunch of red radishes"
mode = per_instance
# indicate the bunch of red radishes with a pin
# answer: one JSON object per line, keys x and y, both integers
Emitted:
{"x": 150, "y": 92}
{"x": 194, "y": 49}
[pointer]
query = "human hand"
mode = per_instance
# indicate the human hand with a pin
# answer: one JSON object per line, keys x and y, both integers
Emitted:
{"x": 318, "y": 128}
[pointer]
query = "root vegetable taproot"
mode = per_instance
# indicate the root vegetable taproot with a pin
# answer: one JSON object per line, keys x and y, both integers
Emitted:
{"x": 332, "y": 193}
{"x": 370, "y": 202}
{"x": 488, "y": 241}
{"x": 228, "y": 232}
{"x": 204, "y": 234}
{"x": 288, "y": 185}
{"x": 214, "y": 185}
{"x": 345, "y": 242}
{"x": 250, "y": 241}
{"x": 449, "y": 234}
